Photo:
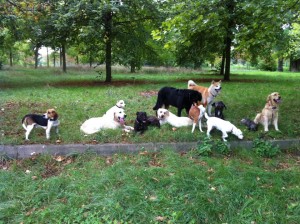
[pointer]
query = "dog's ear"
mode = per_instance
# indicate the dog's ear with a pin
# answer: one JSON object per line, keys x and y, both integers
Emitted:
{"x": 214, "y": 104}
{"x": 167, "y": 113}
{"x": 213, "y": 81}
{"x": 269, "y": 98}
{"x": 220, "y": 81}
{"x": 137, "y": 113}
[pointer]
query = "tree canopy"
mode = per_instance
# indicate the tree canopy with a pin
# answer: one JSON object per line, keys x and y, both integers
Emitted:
{"x": 162, "y": 32}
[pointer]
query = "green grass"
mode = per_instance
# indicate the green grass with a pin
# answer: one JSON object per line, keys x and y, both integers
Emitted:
{"x": 81, "y": 94}
{"x": 148, "y": 187}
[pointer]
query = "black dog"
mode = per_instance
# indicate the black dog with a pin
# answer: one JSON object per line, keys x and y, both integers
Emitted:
{"x": 252, "y": 126}
{"x": 140, "y": 123}
{"x": 219, "y": 106}
{"x": 153, "y": 121}
{"x": 180, "y": 98}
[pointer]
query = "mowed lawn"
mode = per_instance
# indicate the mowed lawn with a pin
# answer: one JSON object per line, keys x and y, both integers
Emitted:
{"x": 237, "y": 186}
{"x": 81, "y": 94}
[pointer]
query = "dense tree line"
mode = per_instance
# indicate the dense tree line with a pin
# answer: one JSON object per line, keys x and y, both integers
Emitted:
{"x": 156, "y": 32}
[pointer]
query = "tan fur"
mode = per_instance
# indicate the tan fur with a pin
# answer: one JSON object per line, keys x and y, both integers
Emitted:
{"x": 269, "y": 113}
{"x": 51, "y": 113}
{"x": 208, "y": 93}
{"x": 196, "y": 113}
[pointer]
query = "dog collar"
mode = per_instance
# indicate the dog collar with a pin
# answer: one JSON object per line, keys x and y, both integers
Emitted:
{"x": 118, "y": 106}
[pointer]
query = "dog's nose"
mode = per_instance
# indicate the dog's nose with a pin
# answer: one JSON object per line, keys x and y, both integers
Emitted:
{"x": 125, "y": 115}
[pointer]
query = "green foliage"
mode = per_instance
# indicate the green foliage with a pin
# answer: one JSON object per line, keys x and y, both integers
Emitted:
{"x": 205, "y": 147}
{"x": 208, "y": 146}
{"x": 267, "y": 64}
{"x": 265, "y": 149}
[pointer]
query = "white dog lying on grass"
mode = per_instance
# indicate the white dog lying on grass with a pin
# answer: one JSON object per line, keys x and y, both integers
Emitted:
{"x": 165, "y": 116}
{"x": 223, "y": 126}
{"x": 114, "y": 118}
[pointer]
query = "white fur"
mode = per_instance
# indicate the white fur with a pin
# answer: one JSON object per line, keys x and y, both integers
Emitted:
{"x": 166, "y": 116}
{"x": 111, "y": 111}
{"x": 107, "y": 121}
{"x": 223, "y": 126}
{"x": 201, "y": 114}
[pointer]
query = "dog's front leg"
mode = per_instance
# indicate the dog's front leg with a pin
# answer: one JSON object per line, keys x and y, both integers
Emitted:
{"x": 266, "y": 124}
{"x": 224, "y": 136}
{"x": 48, "y": 129}
{"x": 209, "y": 106}
{"x": 275, "y": 122}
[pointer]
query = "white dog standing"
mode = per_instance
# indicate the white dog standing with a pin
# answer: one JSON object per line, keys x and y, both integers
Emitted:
{"x": 119, "y": 104}
{"x": 223, "y": 126}
{"x": 166, "y": 116}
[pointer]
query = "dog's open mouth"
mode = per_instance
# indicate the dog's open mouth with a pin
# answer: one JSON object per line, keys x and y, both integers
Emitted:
{"x": 277, "y": 100}
{"x": 218, "y": 90}
{"x": 121, "y": 120}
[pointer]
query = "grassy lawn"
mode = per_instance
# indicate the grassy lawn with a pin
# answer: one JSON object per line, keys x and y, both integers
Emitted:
{"x": 164, "y": 187}
{"x": 81, "y": 94}
{"x": 150, "y": 187}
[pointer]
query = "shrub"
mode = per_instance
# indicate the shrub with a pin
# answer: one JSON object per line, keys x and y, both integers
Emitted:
{"x": 265, "y": 148}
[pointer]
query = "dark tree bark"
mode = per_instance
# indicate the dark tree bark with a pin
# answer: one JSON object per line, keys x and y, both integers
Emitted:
{"x": 36, "y": 55}
{"x": 295, "y": 65}
{"x": 10, "y": 58}
{"x": 222, "y": 63}
{"x": 280, "y": 65}
{"x": 63, "y": 54}
{"x": 108, "y": 44}
{"x": 228, "y": 57}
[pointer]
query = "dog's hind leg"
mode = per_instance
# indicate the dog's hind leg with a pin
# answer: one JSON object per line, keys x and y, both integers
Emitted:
{"x": 194, "y": 125}
{"x": 28, "y": 130}
{"x": 200, "y": 128}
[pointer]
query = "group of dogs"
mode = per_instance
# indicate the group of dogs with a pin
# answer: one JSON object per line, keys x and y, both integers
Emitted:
{"x": 196, "y": 100}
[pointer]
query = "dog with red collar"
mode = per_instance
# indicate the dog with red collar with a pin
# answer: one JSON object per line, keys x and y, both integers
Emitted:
{"x": 46, "y": 121}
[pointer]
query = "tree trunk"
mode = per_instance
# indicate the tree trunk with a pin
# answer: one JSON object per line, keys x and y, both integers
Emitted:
{"x": 63, "y": 54}
{"x": 47, "y": 58}
{"x": 132, "y": 67}
{"x": 280, "y": 65}
{"x": 223, "y": 63}
{"x": 36, "y": 56}
{"x": 294, "y": 65}
{"x": 54, "y": 58}
{"x": 108, "y": 44}
{"x": 227, "y": 60}
{"x": 10, "y": 58}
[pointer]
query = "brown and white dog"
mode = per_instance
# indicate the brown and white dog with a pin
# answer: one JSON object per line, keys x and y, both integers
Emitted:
{"x": 208, "y": 94}
{"x": 269, "y": 113}
{"x": 46, "y": 121}
{"x": 196, "y": 113}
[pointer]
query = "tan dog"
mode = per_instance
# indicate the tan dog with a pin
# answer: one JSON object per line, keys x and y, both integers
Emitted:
{"x": 46, "y": 121}
{"x": 196, "y": 113}
{"x": 270, "y": 112}
{"x": 208, "y": 94}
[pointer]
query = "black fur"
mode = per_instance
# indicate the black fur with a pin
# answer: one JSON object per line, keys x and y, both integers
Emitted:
{"x": 39, "y": 119}
{"x": 219, "y": 106}
{"x": 180, "y": 98}
{"x": 140, "y": 123}
{"x": 153, "y": 121}
{"x": 252, "y": 126}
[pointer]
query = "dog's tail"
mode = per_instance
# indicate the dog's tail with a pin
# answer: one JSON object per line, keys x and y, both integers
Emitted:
{"x": 206, "y": 115}
{"x": 191, "y": 83}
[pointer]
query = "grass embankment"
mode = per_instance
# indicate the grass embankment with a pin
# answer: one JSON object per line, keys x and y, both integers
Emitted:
{"x": 163, "y": 187}
{"x": 81, "y": 94}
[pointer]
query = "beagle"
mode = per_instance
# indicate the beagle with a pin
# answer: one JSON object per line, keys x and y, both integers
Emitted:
{"x": 46, "y": 121}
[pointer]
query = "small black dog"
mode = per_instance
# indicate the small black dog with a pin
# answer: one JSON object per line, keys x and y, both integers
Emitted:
{"x": 140, "y": 123}
{"x": 153, "y": 121}
{"x": 252, "y": 126}
{"x": 219, "y": 106}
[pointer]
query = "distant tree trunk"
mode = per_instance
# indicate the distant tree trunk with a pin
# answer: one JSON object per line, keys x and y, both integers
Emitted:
{"x": 36, "y": 55}
{"x": 108, "y": 44}
{"x": 47, "y": 58}
{"x": 63, "y": 54}
{"x": 10, "y": 58}
{"x": 77, "y": 60}
{"x": 54, "y": 58}
{"x": 132, "y": 67}
{"x": 60, "y": 57}
{"x": 222, "y": 63}
{"x": 295, "y": 65}
{"x": 227, "y": 59}
{"x": 280, "y": 65}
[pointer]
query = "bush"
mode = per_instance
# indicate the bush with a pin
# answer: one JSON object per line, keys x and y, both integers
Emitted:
{"x": 267, "y": 64}
{"x": 265, "y": 148}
